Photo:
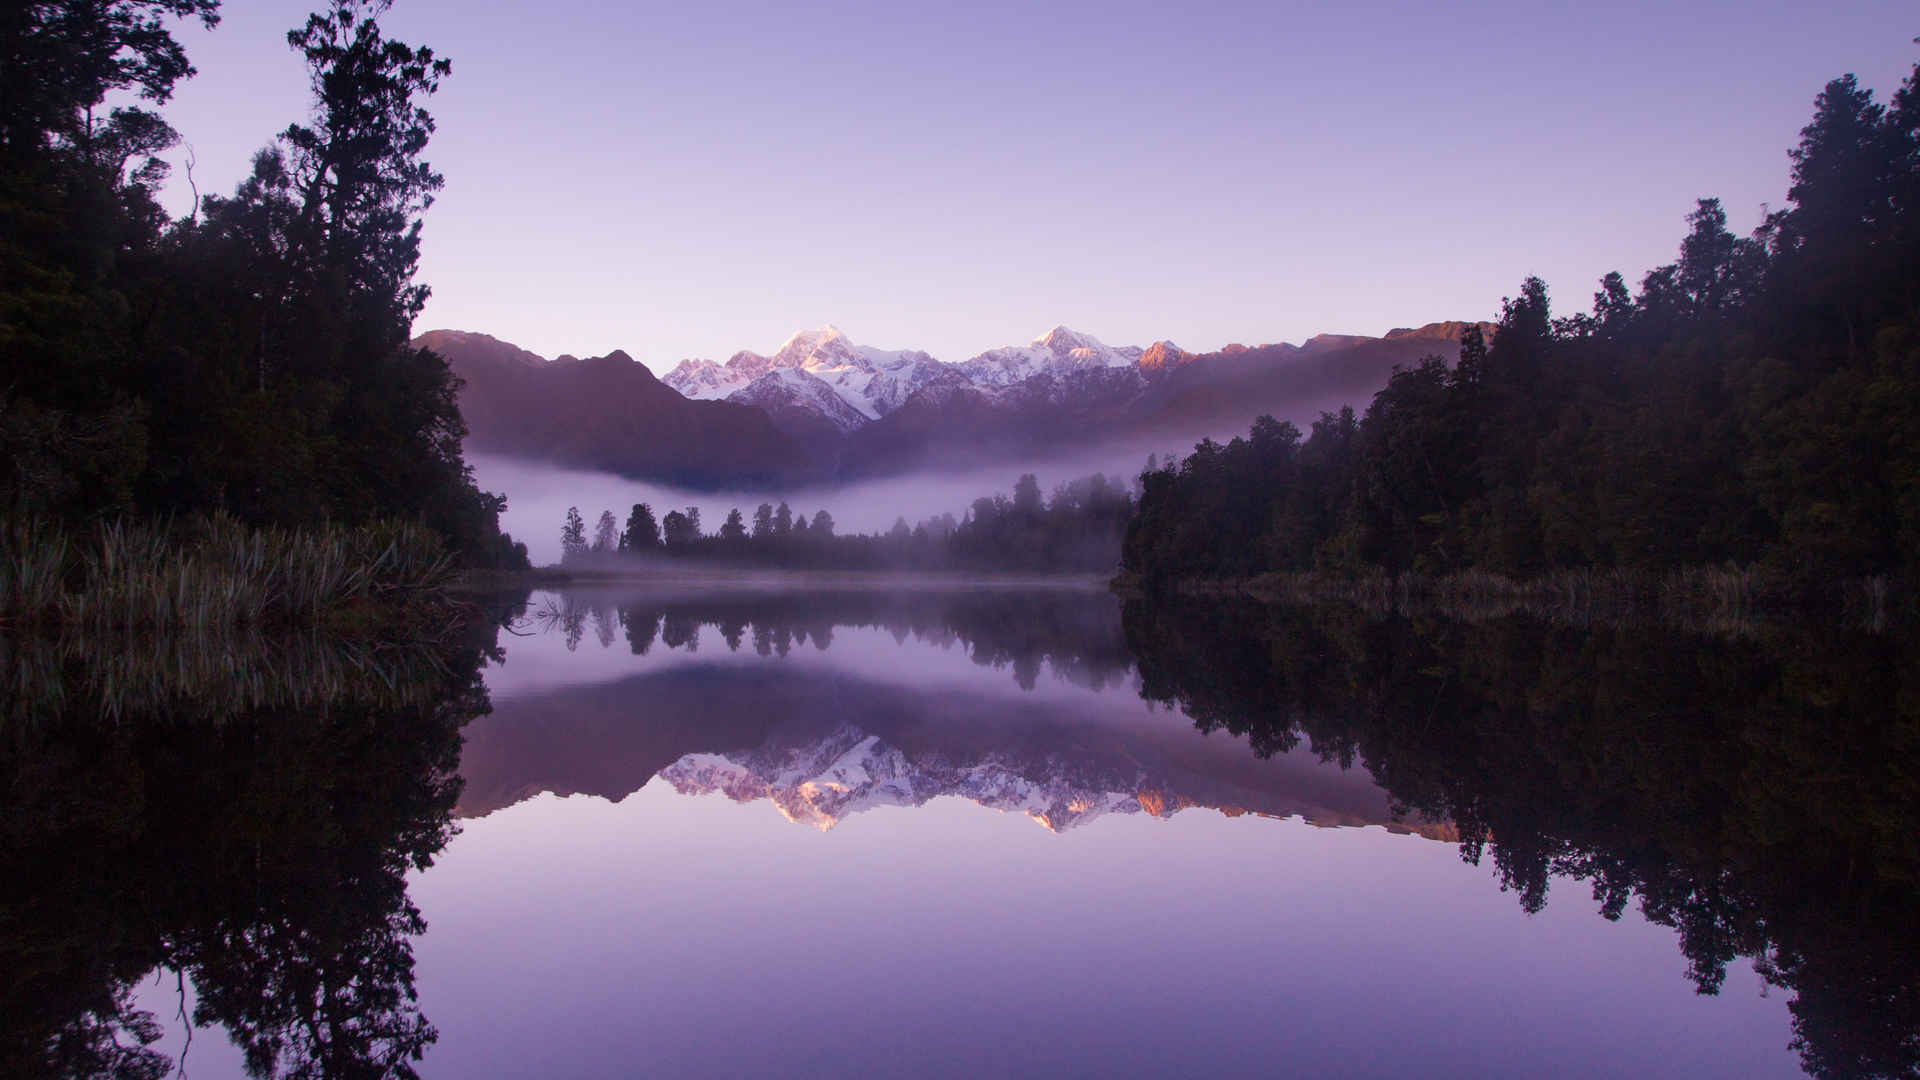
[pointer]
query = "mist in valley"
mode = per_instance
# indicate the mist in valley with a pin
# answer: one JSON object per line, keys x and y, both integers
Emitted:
{"x": 539, "y": 495}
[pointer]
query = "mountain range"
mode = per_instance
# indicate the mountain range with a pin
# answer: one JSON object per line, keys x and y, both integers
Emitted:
{"x": 822, "y": 408}
{"x": 786, "y": 736}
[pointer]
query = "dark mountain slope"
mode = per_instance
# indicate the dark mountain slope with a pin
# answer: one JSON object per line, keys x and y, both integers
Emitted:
{"x": 609, "y": 413}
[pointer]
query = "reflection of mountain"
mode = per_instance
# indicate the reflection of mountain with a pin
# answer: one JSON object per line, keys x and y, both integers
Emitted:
{"x": 822, "y": 745}
{"x": 823, "y": 781}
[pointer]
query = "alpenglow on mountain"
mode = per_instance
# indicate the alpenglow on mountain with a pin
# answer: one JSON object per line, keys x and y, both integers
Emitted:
{"x": 873, "y": 382}
{"x": 822, "y": 409}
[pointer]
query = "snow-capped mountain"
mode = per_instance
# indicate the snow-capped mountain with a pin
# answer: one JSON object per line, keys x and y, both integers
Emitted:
{"x": 783, "y": 392}
{"x": 823, "y": 409}
{"x": 871, "y": 381}
{"x": 821, "y": 783}
{"x": 875, "y": 382}
{"x": 1056, "y": 352}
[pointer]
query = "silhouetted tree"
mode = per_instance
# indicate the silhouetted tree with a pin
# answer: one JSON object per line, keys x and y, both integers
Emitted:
{"x": 573, "y": 536}
{"x": 680, "y": 532}
{"x": 1758, "y": 401}
{"x": 642, "y": 534}
{"x": 252, "y": 358}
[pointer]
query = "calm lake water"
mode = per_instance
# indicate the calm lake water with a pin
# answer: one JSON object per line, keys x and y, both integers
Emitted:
{"x": 972, "y": 833}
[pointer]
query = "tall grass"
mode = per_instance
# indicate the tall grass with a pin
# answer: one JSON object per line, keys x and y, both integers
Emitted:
{"x": 206, "y": 574}
{"x": 44, "y": 677}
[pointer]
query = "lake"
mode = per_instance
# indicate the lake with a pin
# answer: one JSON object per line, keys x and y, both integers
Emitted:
{"x": 962, "y": 832}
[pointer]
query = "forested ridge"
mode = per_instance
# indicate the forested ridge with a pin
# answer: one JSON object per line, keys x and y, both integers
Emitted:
{"x": 1756, "y": 402}
{"x": 252, "y": 358}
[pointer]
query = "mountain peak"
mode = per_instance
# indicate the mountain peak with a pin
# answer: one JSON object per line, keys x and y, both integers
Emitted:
{"x": 813, "y": 339}
{"x": 1062, "y": 337}
{"x": 1162, "y": 355}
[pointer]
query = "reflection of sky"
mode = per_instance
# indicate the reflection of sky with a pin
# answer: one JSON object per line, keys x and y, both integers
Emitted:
{"x": 673, "y": 936}
{"x": 678, "y": 936}
{"x": 541, "y": 661}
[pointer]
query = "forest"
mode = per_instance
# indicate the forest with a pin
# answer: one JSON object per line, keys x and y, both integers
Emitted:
{"x": 251, "y": 359}
{"x": 1076, "y": 529}
{"x": 1755, "y": 403}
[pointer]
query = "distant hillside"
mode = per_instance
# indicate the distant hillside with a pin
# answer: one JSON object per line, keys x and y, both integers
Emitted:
{"x": 609, "y": 413}
{"x": 1223, "y": 391}
{"x": 822, "y": 408}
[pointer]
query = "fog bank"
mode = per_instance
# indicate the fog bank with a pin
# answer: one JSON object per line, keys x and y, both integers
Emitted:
{"x": 538, "y": 495}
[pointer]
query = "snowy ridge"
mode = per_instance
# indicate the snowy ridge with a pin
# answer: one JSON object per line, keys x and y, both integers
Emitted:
{"x": 874, "y": 382}
{"x": 1059, "y": 351}
{"x": 851, "y": 771}
{"x": 794, "y": 388}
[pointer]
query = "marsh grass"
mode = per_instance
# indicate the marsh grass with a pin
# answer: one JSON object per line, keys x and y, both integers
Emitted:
{"x": 205, "y": 575}
{"x": 48, "y": 676}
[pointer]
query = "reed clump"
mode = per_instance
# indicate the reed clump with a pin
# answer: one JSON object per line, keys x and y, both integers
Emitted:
{"x": 205, "y": 574}
{"x": 44, "y": 677}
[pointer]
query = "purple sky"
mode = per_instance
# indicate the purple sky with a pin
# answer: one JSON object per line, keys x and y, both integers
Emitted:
{"x": 691, "y": 179}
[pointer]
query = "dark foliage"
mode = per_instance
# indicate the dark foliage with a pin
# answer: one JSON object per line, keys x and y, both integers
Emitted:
{"x": 1757, "y": 402}
{"x": 1075, "y": 530}
{"x": 1754, "y": 793}
{"x": 252, "y": 358}
{"x": 1074, "y": 633}
{"x": 275, "y": 880}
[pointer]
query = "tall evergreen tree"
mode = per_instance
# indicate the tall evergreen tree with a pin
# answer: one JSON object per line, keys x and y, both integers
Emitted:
{"x": 573, "y": 536}
{"x": 642, "y": 534}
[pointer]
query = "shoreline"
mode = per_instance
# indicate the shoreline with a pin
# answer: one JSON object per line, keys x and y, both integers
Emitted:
{"x": 771, "y": 579}
{"x": 1703, "y": 596}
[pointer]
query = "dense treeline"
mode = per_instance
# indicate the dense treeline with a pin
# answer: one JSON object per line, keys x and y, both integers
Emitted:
{"x": 1078, "y": 529}
{"x": 251, "y": 358}
{"x": 1757, "y": 402}
{"x": 1754, "y": 791}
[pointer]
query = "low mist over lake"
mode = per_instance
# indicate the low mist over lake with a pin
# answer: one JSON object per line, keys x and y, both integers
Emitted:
{"x": 538, "y": 496}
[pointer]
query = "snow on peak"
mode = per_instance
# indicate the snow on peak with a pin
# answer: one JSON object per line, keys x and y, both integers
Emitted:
{"x": 874, "y": 382}
{"x": 848, "y": 771}
{"x": 784, "y": 388}
{"x": 809, "y": 339}
{"x": 1061, "y": 341}
{"x": 1059, "y": 351}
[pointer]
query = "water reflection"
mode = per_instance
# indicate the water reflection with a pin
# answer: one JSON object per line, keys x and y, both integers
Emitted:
{"x": 1759, "y": 794}
{"x": 250, "y": 813}
{"x": 876, "y": 725}
{"x": 1074, "y": 632}
{"x": 243, "y": 813}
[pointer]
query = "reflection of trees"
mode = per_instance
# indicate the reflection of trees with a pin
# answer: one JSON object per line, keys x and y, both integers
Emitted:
{"x": 260, "y": 850}
{"x": 1761, "y": 796}
{"x": 1075, "y": 634}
